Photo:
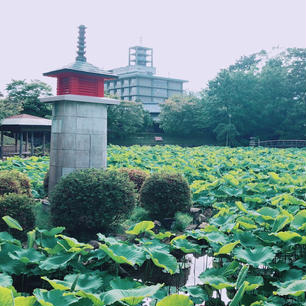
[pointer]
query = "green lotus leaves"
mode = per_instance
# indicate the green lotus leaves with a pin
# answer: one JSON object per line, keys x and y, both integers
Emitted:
{"x": 295, "y": 288}
{"x": 57, "y": 261}
{"x": 288, "y": 236}
{"x": 52, "y": 232}
{"x": 122, "y": 253}
{"x": 217, "y": 282}
{"x": 280, "y": 222}
{"x": 57, "y": 284}
{"x": 215, "y": 237}
{"x": 163, "y": 260}
{"x": 54, "y": 297}
{"x": 268, "y": 213}
{"x": 216, "y": 278}
{"x": 129, "y": 296}
{"x": 255, "y": 257}
{"x": 196, "y": 293}
{"x": 5, "y": 280}
{"x": 6, "y": 297}
{"x": 239, "y": 294}
{"x": 299, "y": 221}
{"x": 226, "y": 249}
{"x": 254, "y": 282}
{"x": 181, "y": 243}
{"x": 27, "y": 256}
{"x": 123, "y": 283}
{"x": 175, "y": 299}
{"x": 12, "y": 223}
{"x": 141, "y": 227}
{"x": 89, "y": 282}
{"x": 241, "y": 207}
{"x": 25, "y": 301}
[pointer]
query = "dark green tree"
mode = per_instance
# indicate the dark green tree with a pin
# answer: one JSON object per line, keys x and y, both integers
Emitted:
{"x": 25, "y": 95}
{"x": 125, "y": 119}
{"x": 183, "y": 115}
{"x": 259, "y": 96}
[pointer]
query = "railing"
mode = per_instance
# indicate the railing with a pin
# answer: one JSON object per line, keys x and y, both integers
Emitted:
{"x": 288, "y": 143}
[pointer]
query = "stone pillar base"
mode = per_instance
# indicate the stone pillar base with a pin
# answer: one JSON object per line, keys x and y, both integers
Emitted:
{"x": 78, "y": 134}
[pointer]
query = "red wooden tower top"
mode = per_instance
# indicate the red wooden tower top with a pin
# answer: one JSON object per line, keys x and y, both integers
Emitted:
{"x": 80, "y": 77}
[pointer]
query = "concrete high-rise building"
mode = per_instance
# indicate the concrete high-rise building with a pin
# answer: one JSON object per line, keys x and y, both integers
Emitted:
{"x": 138, "y": 82}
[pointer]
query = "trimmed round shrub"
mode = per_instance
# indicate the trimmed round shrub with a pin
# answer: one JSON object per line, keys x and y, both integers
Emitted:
{"x": 19, "y": 207}
{"x": 92, "y": 200}
{"x": 13, "y": 181}
{"x": 164, "y": 194}
{"x": 136, "y": 176}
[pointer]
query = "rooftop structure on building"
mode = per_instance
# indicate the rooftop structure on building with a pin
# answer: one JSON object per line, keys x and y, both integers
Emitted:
{"x": 138, "y": 82}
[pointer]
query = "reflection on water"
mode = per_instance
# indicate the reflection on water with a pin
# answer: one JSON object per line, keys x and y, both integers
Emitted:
{"x": 199, "y": 265}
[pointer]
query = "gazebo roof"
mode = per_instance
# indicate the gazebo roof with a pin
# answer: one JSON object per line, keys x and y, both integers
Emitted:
{"x": 26, "y": 120}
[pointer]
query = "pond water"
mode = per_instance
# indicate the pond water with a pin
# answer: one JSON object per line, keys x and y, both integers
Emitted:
{"x": 199, "y": 265}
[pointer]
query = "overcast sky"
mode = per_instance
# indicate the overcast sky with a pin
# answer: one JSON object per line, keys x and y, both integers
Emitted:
{"x": 191, "y": 39}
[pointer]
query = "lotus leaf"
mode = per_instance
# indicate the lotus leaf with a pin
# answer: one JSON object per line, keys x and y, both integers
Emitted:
{"x": 5, "y": 280}
{"x": 54, "y": 298}
{"x": 163, "y": 260}
{"x": 27, "y": 256}
{"x": 215, "y": 279}
{"x": 196, "y": 294}
{"x": 175, "y": 299}
{"x": 295, "y": 288}
{"x": 122, "y": 253}
{"x": 255, "y": 257}
{"x": 288, "y": 235}
{"x": 181, "y": 242}
{"x": 141, "y": 227}
{"x": 130, "y": 296}
{"x": 6, "y": 297}
{"x": 226, "y": 249}
{"x": 57, "y": 261}
{"x": 12, "y": 223}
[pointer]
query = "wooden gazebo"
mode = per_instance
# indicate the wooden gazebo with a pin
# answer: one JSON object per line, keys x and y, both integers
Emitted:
{"x": 24, "y": 128}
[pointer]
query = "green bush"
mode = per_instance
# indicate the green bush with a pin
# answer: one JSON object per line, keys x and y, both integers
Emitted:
{"x": 19, "y": 207}
{"x": 181, "y": 221}
{"x": 92, "y": 200}
{"x": 164, "y": 194}
{"x": 13, "y": 181}
{"x": 136, "y": 176}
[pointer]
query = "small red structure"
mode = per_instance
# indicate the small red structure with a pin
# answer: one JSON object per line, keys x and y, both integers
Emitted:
{"x": 80, "y": 77}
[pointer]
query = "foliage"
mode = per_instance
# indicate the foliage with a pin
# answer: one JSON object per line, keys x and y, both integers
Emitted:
{"x": 14, "y": 181}
{"x": 26, "y": 95}
{"x": 164, "y": 194}
{"x": 8, "y": 109}
{"x": 125, "y": 119}
{"x": 240, "y": 102}
{"x": 92, "y": 200}
{"x": 182, "y": 115}
{"x": 136, "y": 176}
{"x": 182, "y": 220}
{"x": 34, "y": 167}
{"x": 20, "y": 207}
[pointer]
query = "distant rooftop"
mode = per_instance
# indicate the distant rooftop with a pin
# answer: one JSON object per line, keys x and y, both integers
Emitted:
{"x": 25, "y": 119}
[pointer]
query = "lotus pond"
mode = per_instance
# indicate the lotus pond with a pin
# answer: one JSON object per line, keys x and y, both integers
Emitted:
{"x": 257, "y": 237}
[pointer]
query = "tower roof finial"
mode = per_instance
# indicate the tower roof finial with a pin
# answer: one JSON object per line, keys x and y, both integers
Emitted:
{"x": 81, "y": 44}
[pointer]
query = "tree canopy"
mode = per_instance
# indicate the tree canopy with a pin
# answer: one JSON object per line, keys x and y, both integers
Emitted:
{"x": 126, "y": 119}
{"x": 24, "y": 96}
{"x": 259, "y": 95}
